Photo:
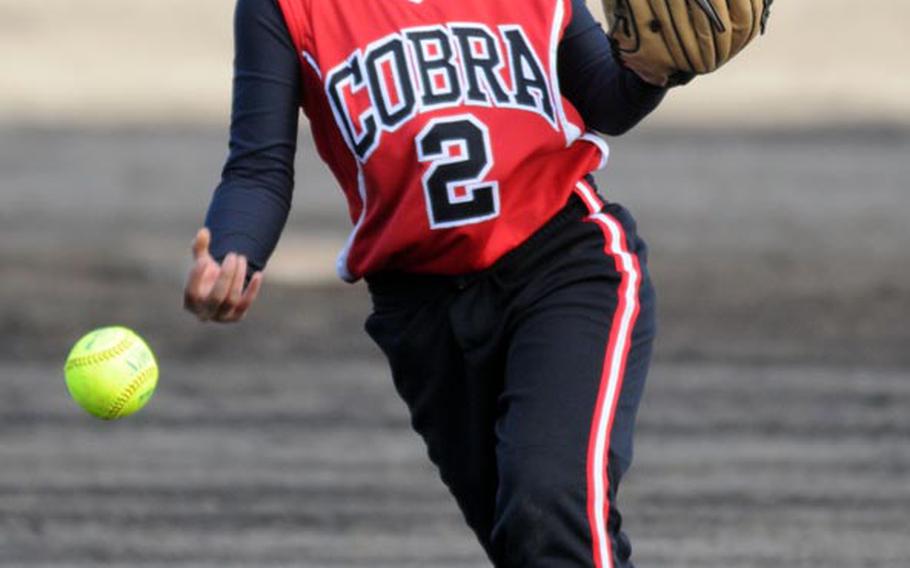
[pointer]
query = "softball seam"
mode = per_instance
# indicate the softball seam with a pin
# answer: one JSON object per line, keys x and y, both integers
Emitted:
{"x": 128, "y": 393}
{"x": 96, "y": 358}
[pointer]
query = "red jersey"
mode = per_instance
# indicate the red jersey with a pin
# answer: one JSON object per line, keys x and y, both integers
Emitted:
{"x": 444, "y": 124}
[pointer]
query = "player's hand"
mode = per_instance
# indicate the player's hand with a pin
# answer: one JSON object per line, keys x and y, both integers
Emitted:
{"x": 214, "y": 292}
{"x": 647, "y": 75}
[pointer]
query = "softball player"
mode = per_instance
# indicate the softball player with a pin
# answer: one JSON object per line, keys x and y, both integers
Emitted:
{"x": 512, "y": 301}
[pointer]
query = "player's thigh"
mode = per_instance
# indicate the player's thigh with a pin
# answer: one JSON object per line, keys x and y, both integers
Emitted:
{"x": 576, "y": 347}
{"x": 574, "y": 376}
{"x": 451, "y": 408}
{"x": 554, "y": 375}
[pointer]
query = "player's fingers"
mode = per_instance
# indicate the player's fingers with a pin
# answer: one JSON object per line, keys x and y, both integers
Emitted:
{"x": 249, "y": 296}
{"x": 201, "y": 273}
{"x": 646, "y": 74}
{"x": 201, "y": 243}
{"x": 194, "y": 277}
{"x": 199, "y": 282}
{"x": 239, "y": 279}
{"x": 229, "y": 306}
{"x": 221, "y": 288}
{"x": 252, "y": 292}
{"x": 209, "y": 277}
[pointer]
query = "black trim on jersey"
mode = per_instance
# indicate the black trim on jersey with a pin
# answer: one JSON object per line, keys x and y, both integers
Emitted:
{"x": 431, "y": 67}
{"x": 482, "y": 71}
{"x": 352, "y": 73}
{"x": 391, "y": 116}
{"x": 529, "y": 91}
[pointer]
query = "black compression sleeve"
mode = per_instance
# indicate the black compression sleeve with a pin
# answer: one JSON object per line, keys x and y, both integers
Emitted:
{"x": 251, "y": 204}
{"x": 610, "y": 98}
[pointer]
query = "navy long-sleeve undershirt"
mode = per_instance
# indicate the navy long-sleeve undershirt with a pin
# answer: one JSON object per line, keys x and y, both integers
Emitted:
{"x": 251, "y": 204}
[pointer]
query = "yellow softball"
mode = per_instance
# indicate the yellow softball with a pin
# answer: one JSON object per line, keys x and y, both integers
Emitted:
{"x": 111, "y": 373}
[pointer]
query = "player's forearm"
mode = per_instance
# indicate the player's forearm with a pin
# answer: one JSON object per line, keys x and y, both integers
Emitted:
{"x": 610, "y": 98}
{"x": 250, "y": 206}
{"x": 621, "y": 102}
{"x": 247, "y": 220}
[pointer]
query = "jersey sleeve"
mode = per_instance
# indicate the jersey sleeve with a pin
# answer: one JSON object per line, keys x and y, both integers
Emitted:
{"x": 250, "y": 206}
{"x": 609, "y": 97}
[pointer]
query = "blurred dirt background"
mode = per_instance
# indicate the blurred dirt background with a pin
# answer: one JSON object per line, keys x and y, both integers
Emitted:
{"x": 775, "y": 428}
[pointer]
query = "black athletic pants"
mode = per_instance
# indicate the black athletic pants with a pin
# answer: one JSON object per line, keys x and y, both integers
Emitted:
{"x": 524, "y": 381}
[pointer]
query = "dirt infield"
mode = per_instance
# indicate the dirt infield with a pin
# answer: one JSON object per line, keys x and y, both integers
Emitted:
{"x": 773, "y": 432}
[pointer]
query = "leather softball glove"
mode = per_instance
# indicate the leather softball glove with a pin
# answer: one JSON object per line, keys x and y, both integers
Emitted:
{"x": 668, "y": 42}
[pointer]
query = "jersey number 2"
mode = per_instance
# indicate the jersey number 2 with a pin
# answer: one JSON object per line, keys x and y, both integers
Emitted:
{"x": 460, "y": 157}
